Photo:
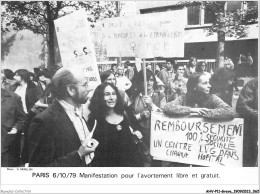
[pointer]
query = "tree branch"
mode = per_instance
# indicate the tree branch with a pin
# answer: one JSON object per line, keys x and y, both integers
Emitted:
{"x": 59, "y": 3}
{"x": 36, "y": 12}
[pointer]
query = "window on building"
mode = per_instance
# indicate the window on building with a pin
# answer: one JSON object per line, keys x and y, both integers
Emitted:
{"x": 233, "y": 6}
{"x": 251, "y": 4}
{"x": 209, "y": 15}
{"x": 194, "y": 15}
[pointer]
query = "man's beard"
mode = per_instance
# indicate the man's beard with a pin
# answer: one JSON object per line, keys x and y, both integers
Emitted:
{"x": 79, "y": 100}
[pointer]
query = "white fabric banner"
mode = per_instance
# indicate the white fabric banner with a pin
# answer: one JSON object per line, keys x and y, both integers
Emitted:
{"x": 197, "y": 140}
{"x": 146, "y": 35}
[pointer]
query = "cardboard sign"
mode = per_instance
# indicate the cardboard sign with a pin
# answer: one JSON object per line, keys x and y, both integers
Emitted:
{"x": 146, "y": 35}
{"x": 197, "y": 140}
{"x": 75, "y": 45}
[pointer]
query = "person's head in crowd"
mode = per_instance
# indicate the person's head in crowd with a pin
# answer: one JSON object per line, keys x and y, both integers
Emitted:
{"x": 201, "y": 66}
{"x": 198, "y": 85}
{"x": 157, "y": 68}
{"x": 45, "y": 76}
{"x": 228, "y": 63}
{"x": 108, "y": 77}
{"x": 7, "y": 79}
{"x": 120, "y": 70}
{"x": 169, "y": 64}
{"x": 179, "y": 70}
{"x": 71, "y": 85}
{"x": 149, "y": 67}
{"x": 32, "y": 76}
{"x": 127, "y": 64}
{"x": 9, "y": 74}
{"x": 106, "y": 98}
{"x": 99, "y": 68}
{"x": 192, "y": 62}
{"x": 21, "y": 76}
{"x": 151, "y": 81}
{"x": 114, "y": 68}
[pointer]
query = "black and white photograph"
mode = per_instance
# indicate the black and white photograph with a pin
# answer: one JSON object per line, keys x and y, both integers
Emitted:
{"x": 129, "y": 97}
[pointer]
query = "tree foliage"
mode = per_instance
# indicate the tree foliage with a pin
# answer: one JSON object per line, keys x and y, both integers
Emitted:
{"x": 233, "y": 24}
{"x": 35, "y": 15}
{"x": 38, "y": 16}
{"x": 226, "y": 23}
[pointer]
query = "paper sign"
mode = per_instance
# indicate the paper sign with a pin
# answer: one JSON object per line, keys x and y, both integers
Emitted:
{"x": 197, "y": 141}
{"x": 75, "y": 45}
{"x": 146, "y": 35}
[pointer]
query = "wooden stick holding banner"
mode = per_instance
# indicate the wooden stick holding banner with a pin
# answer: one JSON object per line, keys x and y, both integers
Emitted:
{"x": 154, "y": 65}
{"x": 145, "y": 80}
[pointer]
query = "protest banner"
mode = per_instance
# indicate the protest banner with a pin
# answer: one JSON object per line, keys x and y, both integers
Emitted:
{"x": 76, "y": 46}
{"x": 146, "y": 35}
{"x": 198, "y": 141}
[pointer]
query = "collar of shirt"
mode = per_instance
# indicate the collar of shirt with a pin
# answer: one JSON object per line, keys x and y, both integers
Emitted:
{"x": 75, "y": 114}
{"x": 71, "y": 109}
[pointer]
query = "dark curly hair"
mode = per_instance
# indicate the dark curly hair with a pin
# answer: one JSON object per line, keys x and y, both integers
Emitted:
{"x": 98, "y": 108}
{"x": 198, "y": 67}
{"x": 24, "y": 74}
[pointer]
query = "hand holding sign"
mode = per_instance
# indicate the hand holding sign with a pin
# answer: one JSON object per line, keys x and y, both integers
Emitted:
{"x": 148, "y": 101}
{"x": 88, "y": 147}
{"x": 145, "y": 114}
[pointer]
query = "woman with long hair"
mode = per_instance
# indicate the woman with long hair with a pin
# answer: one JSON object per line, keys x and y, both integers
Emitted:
{"x": 198, "y": 100}
{"x": 116, "y": 147}
{"x": 191, "y": 67}
{"x": 143, "y": 104}
{"x": 201, "y": 67}
{"x": 109, "y": 77}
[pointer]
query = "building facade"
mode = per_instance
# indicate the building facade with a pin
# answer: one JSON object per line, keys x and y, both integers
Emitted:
{"x": 197, "y": 42}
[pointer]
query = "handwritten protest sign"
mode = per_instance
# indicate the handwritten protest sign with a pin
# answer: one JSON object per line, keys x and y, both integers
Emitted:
{"x": 75, "y": 45}
{"x": 197, "y": 140}
{"x": 146, "y": 35}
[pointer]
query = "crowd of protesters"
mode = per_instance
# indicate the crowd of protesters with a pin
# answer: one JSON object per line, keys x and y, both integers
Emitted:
{"x": 43, "y": 122}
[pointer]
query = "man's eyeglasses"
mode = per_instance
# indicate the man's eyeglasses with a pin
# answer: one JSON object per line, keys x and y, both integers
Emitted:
{"x": 84, "y": 85}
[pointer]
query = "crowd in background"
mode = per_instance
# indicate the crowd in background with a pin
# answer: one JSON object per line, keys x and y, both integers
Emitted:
{"x": 35, "y": 105}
